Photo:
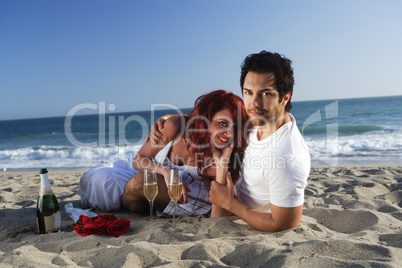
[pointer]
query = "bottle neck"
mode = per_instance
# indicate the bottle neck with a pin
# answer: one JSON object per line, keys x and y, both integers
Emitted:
{"x": 44, "y": 181}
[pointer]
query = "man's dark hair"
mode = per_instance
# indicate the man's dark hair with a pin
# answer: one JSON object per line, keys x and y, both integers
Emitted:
{"x": 267, "y": 62}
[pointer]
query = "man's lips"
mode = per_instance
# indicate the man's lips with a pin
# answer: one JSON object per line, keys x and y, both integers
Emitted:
{"x": 255, "y": 112}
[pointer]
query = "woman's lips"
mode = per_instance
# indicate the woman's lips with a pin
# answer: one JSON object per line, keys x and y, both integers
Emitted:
{"x": 223, "y": 139}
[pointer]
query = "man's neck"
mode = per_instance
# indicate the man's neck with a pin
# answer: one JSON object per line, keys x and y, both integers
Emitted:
{"x": 272, "y": 126}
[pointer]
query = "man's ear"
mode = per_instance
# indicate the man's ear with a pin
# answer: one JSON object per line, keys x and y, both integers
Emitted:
{"x": 285, "y": 99}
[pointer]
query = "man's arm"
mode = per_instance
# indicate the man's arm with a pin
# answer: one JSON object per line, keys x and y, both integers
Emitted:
{"x": 280, "y": 218}
{"x": 144, "y": 157}
{"x": 156, "y": 134}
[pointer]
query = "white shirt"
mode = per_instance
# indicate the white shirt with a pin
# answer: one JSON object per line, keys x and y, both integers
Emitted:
{"x": 275, "y": 169}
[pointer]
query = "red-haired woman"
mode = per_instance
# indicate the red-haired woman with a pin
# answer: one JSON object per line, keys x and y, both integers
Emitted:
{"x": 208, "y": 141}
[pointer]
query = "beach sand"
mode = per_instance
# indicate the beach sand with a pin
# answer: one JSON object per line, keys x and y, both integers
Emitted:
{"x": 352, "y": 218}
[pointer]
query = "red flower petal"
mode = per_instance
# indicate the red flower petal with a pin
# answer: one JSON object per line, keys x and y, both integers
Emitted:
{"x": 118, "y": 227}
{"x": 84, "y": 219}
{"x": 89, "y": 229}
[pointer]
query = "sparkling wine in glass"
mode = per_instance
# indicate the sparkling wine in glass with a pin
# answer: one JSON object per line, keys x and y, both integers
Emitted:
{"x": 150, "y": 189}
{"x": 175, "y": 189}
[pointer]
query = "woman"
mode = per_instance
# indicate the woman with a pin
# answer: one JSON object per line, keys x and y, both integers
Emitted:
{"x": 190, "y": 144}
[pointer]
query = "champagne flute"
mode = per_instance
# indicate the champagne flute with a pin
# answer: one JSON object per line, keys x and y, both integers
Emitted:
{"x": 175, "y": 189}
{"x": 150, "y": 189}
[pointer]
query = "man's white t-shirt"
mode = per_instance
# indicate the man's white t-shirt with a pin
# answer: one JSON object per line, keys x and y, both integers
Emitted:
{"x": 275, "y": 169}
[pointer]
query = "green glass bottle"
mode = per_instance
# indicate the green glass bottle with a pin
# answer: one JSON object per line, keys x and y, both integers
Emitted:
{"x": 47, "y": 207}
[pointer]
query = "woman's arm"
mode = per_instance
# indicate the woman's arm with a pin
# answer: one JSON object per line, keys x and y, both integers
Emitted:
{"x": 144, "y": 157}
{"x": 221, "y": 159}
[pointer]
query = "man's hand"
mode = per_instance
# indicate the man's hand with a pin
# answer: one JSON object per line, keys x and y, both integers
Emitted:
{"x": 222, "y": 195}
{"x": 155, "y": 135}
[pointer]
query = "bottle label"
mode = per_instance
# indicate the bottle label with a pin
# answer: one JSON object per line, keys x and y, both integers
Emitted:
{"x": 52, "y": 222}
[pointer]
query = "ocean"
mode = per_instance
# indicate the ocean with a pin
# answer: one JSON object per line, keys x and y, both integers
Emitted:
{"x": 344, "y": 131}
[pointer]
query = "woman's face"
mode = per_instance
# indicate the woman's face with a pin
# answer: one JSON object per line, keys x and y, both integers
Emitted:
{"x": 222, "y": 128}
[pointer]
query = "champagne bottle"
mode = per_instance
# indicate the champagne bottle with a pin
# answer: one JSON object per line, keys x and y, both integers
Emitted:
{"x": 47, "y": 207}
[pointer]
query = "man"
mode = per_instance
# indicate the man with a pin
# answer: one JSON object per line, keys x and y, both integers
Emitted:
{"x": 270, "y": 193}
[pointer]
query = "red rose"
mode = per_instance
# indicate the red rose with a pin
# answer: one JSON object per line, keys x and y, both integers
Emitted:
{"x": 84, "y": 219}
{"x": 89, "y": 229}
{"x": 100, "y": 224}
{"x": 108, "y": 217}
{"x": 117, "y": 227}
{"x": 98, "y": 220}
{"x": 104, "y": 219}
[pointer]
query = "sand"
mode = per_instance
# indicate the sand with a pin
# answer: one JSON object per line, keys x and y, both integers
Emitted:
{"x": 352, "y": 218}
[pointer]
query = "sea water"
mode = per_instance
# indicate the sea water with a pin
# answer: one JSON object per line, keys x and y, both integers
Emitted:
{"x": 345, "y": 131}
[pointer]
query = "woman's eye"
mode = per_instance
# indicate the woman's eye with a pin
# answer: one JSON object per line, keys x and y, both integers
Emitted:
{"x": 223, "y": 124}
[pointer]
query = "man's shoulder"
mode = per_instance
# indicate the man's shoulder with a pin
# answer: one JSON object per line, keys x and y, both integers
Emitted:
{"x": 294, "y": 152}
{"x": 293, "y": 142}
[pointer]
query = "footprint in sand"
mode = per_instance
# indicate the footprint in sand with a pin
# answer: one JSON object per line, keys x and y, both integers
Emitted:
{"x": 394, "y": 197}
{"x": 374, "y": 171}
{"x": 369, "y": 189}
{"x": 396, "y": 186}
{"x": 393, "y": 240}
{"x": 344, "y": 221}
{"x": 397, "y": 215}
{"x": 341, "y": 253}
{"x": 334, "y": 188}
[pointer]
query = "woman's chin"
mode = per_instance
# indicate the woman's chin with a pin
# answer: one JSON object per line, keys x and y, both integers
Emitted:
{"x": 220, "y": 146}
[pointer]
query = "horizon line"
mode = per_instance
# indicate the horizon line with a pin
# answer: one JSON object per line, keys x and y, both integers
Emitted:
{"x": 138, "y": 111}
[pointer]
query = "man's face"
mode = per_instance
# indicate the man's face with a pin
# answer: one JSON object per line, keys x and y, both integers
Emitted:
{"x": 261, "y": 98}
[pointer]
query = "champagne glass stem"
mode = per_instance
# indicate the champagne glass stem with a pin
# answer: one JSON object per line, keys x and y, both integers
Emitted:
{"x": 174, "y": 214}
{"x": 151, "y": 209}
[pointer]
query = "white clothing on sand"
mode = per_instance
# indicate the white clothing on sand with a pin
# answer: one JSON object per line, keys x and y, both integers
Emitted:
{"x": 102, "y": 187}
{"x": 275, "y": 169}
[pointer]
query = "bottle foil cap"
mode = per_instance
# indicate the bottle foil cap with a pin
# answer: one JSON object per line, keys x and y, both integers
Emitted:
{"x": 43, "y": 171}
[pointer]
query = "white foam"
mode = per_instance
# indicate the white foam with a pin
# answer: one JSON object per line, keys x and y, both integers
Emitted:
{"x": 371, "y": 147}
{"x": 62, "y": 157}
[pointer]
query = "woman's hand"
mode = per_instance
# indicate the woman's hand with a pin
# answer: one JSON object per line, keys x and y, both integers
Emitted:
{"x": 221, "y": 156}
{"x": 221, "y": 159}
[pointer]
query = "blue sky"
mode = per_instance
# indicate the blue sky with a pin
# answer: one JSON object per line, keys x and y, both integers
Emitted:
{"x": 55, "y": 55}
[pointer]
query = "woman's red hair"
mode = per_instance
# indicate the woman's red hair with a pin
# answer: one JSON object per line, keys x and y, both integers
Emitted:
{"x": 205, "y": 107}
